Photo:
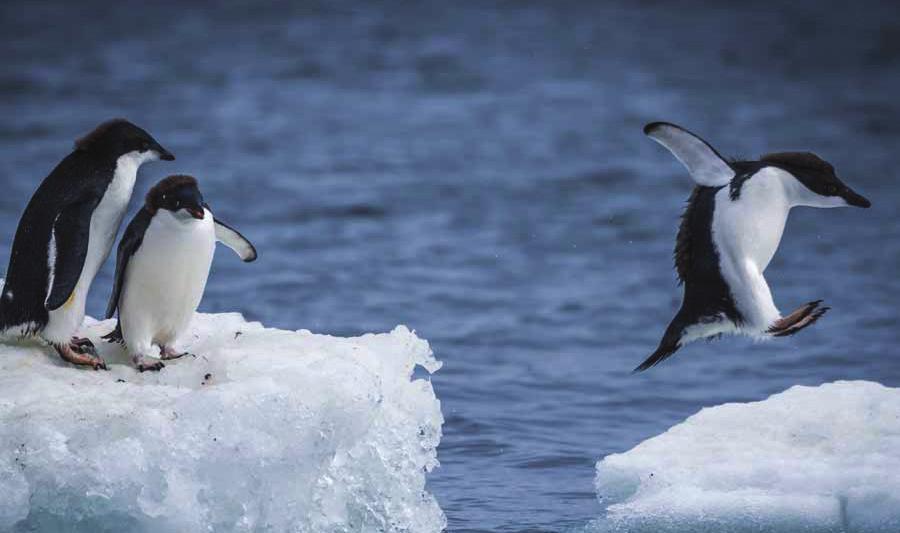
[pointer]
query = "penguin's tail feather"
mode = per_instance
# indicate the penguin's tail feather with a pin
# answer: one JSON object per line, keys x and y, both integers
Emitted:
{"x": 22, "y": 313}
{"x": 662, "y": 353}
{"x": 669, "y": 344}
{"x": 4, "y": 322}
{"x": 11, "y": 317}
{"x": 115, "y": 336}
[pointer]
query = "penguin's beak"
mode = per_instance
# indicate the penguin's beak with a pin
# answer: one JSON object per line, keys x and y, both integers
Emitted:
{"x": 196, "y": 212}
{"x": 164, "y": 154}
{"x": 854, "y": 199}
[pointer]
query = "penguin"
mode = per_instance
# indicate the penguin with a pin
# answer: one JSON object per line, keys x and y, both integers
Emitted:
{"x": 67, "y": 232}
{"x": 162, "y": 264}
{"x": 729, "y": 232}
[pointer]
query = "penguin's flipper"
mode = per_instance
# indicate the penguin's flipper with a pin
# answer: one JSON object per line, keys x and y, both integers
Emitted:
{"x": 131, "y": 241}
{"x": 69, "y": 245}
{"x": 231, "y": 238}
{"x": 704, "y": 163}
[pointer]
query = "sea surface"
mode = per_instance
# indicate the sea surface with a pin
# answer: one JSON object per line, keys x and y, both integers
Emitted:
{"x": 477, "y": 172}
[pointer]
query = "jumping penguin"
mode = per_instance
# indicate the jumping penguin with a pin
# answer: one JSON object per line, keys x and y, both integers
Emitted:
{"x": 729, "y": 232}
{"x": 162, "y": 265}
{"x": 66, "y": 233}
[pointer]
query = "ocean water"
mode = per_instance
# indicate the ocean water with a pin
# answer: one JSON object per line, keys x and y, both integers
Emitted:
{"x": 477, "y": 172}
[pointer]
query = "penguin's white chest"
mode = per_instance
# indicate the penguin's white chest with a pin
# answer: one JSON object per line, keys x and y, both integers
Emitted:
{"x": 104, "y": 225}
{"x": 108, "y": 215}
{"x": 106, "y": 219}
{"x": 747, "y": 232}
{"x": 165, "y": 279}
{"x": 751, "y": 227}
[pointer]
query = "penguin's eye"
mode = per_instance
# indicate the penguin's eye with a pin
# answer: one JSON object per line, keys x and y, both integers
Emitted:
{"x": 145, "y": 146}
{"x": 831, "y": 189}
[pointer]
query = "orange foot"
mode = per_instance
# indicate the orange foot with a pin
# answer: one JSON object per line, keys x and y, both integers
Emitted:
{"x": 801, "y": 318}
{"x": 73, "y": 354}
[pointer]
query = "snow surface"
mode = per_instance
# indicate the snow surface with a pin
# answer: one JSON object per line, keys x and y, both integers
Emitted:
{"x": 821, "y": 458}
{"x": 264, "y": 430}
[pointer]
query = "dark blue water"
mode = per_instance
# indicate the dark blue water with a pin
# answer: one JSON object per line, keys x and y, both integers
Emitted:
{"x": 477, "y": 171}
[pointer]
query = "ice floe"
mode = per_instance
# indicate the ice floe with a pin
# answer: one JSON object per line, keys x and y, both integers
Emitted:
{"x": 261, "y": 430}
{"x": 823, "y": 458}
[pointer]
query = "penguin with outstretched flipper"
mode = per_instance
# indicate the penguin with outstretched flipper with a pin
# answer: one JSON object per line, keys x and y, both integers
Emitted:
{"x": 162, "y": 266}
{"x": 729, "y": 233}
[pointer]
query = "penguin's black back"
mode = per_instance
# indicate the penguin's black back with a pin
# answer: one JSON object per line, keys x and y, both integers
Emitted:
{"x": 128, "y": 246}
{"x": 706, "y": 295}
{"x": 80, "y": 176}
{"x": 697, "y": 262}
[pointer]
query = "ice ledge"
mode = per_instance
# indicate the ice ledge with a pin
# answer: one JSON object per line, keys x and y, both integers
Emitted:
{"x": 823, "y": 458}
{"x": 264, "y": 430}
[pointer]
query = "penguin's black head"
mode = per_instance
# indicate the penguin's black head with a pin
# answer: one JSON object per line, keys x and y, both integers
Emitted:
{"x": 818, "y": 176}
{"x": 178, "y": 194}
{"x": 118, "y": 137}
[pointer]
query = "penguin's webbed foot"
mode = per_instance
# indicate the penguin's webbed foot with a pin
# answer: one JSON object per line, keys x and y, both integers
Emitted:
{"x": 166, "y": 353}
{"x": 83, "y": 345}
{"x": 144, "y": 365}
{"x": 69, "y": 353}
{"x": 801, "y": 318}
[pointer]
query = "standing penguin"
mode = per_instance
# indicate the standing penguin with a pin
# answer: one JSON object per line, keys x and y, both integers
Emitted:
{"x": 161, "y": 269}
{"x": 729, "y": 232}
{"x": 66, "y": 233}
